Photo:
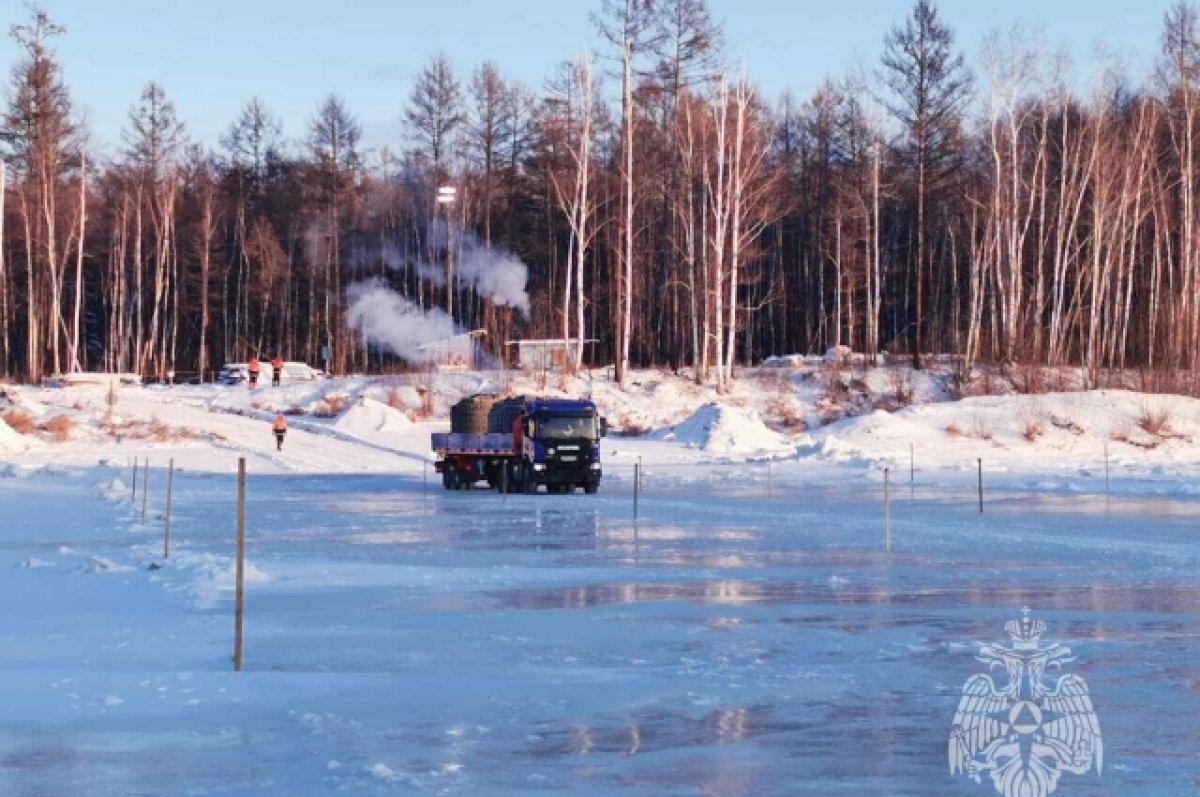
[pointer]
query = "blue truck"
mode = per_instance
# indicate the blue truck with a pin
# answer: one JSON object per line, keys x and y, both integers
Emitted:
{"x": 529, "y": 442}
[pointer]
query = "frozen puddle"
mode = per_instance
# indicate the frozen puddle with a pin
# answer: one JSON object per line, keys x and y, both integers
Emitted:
{"x": 404, "y": 641}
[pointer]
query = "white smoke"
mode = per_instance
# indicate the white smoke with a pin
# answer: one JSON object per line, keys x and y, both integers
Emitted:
{"x": 387, "y": 319}
{"x": 493, "y": 273}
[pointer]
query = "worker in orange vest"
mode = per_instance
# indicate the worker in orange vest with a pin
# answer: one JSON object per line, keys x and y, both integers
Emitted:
{"x": 276, "y": 370}
{"x": 252, "y": 369}
{"x": 280, "y": 430}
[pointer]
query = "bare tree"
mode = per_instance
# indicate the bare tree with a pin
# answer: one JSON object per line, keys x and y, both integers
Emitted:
{"x": 333, "y": 141}
{"x": 930, "y": 84}
{"x": 630, "y": 26}
{"x": 42, "y": 142}
{"x": 434, "y": 114}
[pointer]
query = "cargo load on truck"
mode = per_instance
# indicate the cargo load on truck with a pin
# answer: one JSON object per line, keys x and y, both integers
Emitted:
{"x": 470, "y": 415}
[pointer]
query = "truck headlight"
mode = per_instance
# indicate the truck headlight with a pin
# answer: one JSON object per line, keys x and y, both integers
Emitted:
{"x": 595, "y": 466}
{"x": 549, "y": 452}
{"x": 539, "y": 466}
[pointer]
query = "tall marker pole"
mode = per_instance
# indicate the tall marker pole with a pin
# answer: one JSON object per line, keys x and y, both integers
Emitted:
{"x": 170, "y": 495}
{"x": 240, "y": 576}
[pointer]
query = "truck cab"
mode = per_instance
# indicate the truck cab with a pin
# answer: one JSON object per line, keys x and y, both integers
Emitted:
{"x": 560, "y": 445}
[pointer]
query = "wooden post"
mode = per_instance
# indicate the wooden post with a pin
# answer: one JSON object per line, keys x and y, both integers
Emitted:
{"x": 887, "y": 509}
{"x": 912, "y": 470}
{"x": 145, "y": 488}
{"x": 637, "y": 486}
{"x": 167, "y": 524}
{"x": 133, "y": 495}
{"x": 980, "y": 486}
{"x": 240, "y": 575}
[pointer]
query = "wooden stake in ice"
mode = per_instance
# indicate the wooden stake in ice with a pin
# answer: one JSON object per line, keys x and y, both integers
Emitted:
{"x": 887, "y": 509}
{"x": 637, "y": 486}
{"x": 240, "y": 575}
{"x": 167, "y": 524}
{"x": 980, "y": 462}
{"x": 145, "y": 488}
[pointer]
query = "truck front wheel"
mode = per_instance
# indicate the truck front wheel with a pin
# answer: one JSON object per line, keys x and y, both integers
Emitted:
{"x": 591, "y": 488}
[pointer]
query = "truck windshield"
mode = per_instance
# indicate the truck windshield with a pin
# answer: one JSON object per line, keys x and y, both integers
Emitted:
{"x": 558, "y": 427}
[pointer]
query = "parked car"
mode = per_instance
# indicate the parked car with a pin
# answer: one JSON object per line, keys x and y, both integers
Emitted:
{"x": 239, "y": 373}
{"x": 233, "y": 374}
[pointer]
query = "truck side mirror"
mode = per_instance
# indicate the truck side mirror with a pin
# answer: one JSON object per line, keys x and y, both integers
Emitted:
{"x": 604, "y": 427}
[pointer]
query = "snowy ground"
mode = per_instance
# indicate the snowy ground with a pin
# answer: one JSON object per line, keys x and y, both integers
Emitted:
{"x": 748, "y": 635}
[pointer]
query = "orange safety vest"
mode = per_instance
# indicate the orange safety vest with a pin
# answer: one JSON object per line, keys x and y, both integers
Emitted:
{"x": 277, "y": 364}
{"x": 280, "y": 424}
{"x": 252, "y": 366}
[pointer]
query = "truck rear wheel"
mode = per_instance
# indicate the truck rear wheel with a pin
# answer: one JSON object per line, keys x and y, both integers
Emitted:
{"x": 591, "y": 488}
{"x": 527, "y": 482}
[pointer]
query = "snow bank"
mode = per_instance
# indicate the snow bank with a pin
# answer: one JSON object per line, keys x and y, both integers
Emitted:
{"x": 725, "y": 430}
{"x": 10, "y": 440}
{"x": 368, "y": 417}
{"x": 212, "y": 577}
{"x": 1025, "y": 432}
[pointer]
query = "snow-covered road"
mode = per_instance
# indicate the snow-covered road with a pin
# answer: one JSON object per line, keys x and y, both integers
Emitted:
{"x": 404, "y": 641}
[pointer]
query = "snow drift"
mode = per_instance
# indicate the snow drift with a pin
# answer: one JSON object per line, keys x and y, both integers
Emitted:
{"x": 369, "y": 417}
{"x": 723, "y": 429}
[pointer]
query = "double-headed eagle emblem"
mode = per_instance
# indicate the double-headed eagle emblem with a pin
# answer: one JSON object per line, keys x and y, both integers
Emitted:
{"x": 1025, "y": 733}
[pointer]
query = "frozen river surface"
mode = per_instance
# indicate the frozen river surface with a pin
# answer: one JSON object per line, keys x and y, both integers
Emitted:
{"x": 728, "y": 643}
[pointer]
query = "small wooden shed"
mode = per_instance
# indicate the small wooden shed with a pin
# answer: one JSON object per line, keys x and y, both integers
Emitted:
{"x": 550, "y": 354}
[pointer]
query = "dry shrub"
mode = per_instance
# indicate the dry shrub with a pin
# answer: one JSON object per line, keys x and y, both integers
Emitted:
{"x": 953, "y": 431}
{"x": 980, "y": 429}
{"x": 157, "y": 431}
{"x": 60, "y": 428}
{"x": 1059, "y": 381}
{"x": 423, "y": 412}
{"x": 834, "y": 382}
{"x": 629, "y": 427}
{"x": 20, "y": 421}
{"x": 901, "y": 387}
{"x": 332, "y": 406}
{"x": 1126, "y": 437}
{"x": 830, "y": 415}
{"x": 1155, "y": 421}
{"x": 1029, "y": 379}
{"x": 394, "y": 400}
{"x": 1066, "y": 425}
{"x": 785, "y": 415}
{"x": 1033, "y": 422}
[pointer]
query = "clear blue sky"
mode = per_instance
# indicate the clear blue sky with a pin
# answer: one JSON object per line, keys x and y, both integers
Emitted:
{"x": 212, "y": 55}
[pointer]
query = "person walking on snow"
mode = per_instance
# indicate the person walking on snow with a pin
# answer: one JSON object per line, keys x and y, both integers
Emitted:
{"x": 280, "y": 430}
{"x": 252, "y": 369}
{"x": 276, "y": 370}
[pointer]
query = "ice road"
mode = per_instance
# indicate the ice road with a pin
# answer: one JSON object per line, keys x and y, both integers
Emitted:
{"x": 411, "y": 641}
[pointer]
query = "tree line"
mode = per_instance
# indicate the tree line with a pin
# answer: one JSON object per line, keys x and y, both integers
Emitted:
{"x": 669, "y": 214}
